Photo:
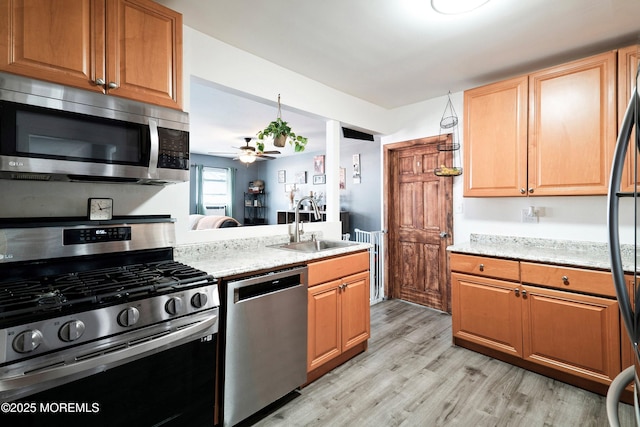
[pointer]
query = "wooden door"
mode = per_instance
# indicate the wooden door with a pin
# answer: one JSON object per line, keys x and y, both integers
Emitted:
{"x": 572, "y": 132}
{"x": 487, "y": 312}
{"x": 323, "y": 340}
{"x": 628, "y": 60}
{"x": 419, "y": 210}
{"x": 355, "y": 310}
{"x": 61, "y": 41}
{"x": 495, "y": 139}
{"x": 574, "y": 333}
{"x": 144, "y": 52}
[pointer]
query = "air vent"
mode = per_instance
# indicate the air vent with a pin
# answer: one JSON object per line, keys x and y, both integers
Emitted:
{"x": 355, "y": 134}
{"x": 31, "y": 176}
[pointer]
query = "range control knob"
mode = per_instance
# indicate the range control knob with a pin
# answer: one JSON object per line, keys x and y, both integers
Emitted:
{"x": 27, "y": 341}
{"x": 199, "y": 299}
{"x": 173, "y": 306}
{"x": 71, "y": 330}
{"x": 129, "y": 316}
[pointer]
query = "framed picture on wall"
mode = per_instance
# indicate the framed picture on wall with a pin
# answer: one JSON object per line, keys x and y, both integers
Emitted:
{"x": 301, "y": 177}
{"x": 318, "y": 166}
{"x": 343, "y": 178}
{"x": 282, "y": 176}
{"x": 319, "y": 179}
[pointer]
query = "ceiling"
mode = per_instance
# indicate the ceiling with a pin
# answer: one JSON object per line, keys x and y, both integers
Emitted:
{"x": 398, "y": 52}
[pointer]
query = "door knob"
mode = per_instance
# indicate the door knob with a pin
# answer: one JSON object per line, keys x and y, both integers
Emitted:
{"x": 99, "y": 81}
{"x": 112, "y": 85}
{"x": 444, "y": 234}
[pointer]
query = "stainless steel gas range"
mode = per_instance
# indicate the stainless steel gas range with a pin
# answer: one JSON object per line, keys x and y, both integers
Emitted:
{"x": 100, "y": 326}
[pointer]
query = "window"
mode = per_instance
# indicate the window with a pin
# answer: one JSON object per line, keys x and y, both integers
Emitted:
{"x": 216, "y": 190}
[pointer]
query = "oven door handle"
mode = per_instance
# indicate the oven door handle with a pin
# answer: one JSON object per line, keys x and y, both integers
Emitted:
{"x": 41, "y": 378}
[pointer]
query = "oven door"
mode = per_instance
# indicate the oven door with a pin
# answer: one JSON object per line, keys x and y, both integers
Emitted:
{"x": 164, "y": 386}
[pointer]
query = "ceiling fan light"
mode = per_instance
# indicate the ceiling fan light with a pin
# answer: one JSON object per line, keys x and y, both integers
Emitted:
{"x": 456, "y": 7}
{"x": 247, "y": 158}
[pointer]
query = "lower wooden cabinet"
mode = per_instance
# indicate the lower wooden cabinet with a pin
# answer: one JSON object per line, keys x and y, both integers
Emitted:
{"x": 338, "y": 318}
{"x": 570, "y": 335}
{"x": 339, "y": 311}
{"x": 488, "y": 312}
{"x": 575, "y": 333}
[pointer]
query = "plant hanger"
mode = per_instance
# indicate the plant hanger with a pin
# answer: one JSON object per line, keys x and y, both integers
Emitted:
{"x": 281, "y": 132}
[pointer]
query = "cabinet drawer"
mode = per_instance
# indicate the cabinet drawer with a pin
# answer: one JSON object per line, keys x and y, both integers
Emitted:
{"x": 483, "y": 266}
{"x": 568, "y": 279}
{"x": 337, "y": 268}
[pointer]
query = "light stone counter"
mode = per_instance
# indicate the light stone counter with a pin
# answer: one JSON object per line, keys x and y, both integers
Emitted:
{"x": 562, "y": 252}
{"x": 242, "y": 256}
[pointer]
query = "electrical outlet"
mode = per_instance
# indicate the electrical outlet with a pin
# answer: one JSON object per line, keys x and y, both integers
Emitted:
{"x": 529, "y": 218}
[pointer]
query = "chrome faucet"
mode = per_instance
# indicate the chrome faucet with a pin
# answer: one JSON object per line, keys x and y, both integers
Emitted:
{"x": 316, "y": 213}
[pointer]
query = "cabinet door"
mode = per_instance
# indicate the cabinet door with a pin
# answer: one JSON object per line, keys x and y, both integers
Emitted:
{"x": 574, "y": 333}
{"x": 144, "y": 52}
{"x": 572, "y": 132}
{"x": 495, "y": 139}
{"x": 628, "y": 60}
{"x": 355, "y": 310}
{"x": 58, "y": 41}
{"x": 487, "y": 312}
{"x": 324, "y": 334}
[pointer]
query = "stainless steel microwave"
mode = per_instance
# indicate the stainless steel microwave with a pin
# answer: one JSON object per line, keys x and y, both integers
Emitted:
{"x": 54, "y": 132}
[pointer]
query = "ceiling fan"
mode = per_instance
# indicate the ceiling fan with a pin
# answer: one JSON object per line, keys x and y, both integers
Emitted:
{"x": 248, "y": 153}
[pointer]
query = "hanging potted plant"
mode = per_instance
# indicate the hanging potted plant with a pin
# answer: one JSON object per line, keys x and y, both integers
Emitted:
{"x": 281, "y": 131}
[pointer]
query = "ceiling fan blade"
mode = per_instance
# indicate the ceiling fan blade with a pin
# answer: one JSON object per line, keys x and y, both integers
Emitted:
{"x": 246, "y": 147}
{"x": 266, "y": 157}
{"x": 221, "y": 152}
{"x": 271, "y": 152}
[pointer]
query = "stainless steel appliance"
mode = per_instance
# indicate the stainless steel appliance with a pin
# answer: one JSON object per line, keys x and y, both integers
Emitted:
{"x": 628, "y": 142}
{"x": 100, "y": 326}
{"x": 55, "y": 132}
{"x": 265, "y": 341}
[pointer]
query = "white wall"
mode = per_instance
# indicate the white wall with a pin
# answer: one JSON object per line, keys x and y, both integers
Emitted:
{"x": 582, "y": 218}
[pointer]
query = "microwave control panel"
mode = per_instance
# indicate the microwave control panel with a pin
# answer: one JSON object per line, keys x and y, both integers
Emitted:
{"x": 173, "y": 151}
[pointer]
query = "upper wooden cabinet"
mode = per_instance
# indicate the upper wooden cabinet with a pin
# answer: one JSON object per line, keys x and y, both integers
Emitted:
{"x": 549, "y": 133}
{"x": 495, "y": 139}
{"x": 628, "y": 60}
{"x": 127, "y": 48}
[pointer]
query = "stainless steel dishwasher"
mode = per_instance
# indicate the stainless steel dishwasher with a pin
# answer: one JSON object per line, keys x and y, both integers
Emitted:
{"x": 265, "y": 341}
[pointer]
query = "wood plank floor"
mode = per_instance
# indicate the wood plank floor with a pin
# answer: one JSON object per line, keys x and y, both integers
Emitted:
{"x": 412, "y": 375}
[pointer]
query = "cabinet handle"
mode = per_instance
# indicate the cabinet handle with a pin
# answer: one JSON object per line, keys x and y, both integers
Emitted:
{"x": 522, "y": 191}
{"x": 100, "y": 82}
{"x": 517, "y": 292}
{"x": 524, "y": 293}
{"x": 112, "y": 85}
{"x": 565, "y": 280}
{"x": 481, "y": 267}
{"x": 531, "y": 190}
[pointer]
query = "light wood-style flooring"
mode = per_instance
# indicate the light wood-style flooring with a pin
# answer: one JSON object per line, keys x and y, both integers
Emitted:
{"x": 412, "y": 375}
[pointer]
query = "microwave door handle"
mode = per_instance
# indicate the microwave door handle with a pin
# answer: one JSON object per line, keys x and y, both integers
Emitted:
{"x": 155, "y": 148}
{"x": 66, "y": 373}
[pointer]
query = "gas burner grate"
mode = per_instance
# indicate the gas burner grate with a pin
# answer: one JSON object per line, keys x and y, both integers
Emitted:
{"x": 101, "y": 286}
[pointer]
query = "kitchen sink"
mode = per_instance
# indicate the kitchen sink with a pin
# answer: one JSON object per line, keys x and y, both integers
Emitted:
{"x": 314, "y": 245}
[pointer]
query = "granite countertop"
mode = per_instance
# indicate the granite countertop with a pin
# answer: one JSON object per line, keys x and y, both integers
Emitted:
{"x": 562, "y": 252}
{"x": 240, "y": 256}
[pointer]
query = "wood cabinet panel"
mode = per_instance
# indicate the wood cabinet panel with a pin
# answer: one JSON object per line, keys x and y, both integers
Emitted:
{"x": 568, "y": 279}
{"x": 335, "y": 268}
{"x": 495, "y": 139}
{"x": 355, "y": 310}
{"x": 485, "y": 266}
{"x": 487, "y": 312}
{"x": 572, "y": 132}
{"x": 61, "y": 41}
{"x": 144, "y": 56}
{"x": 573, "y": 333}
{"x": 324, "y": 332}
{"x": 628, "y": 60}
